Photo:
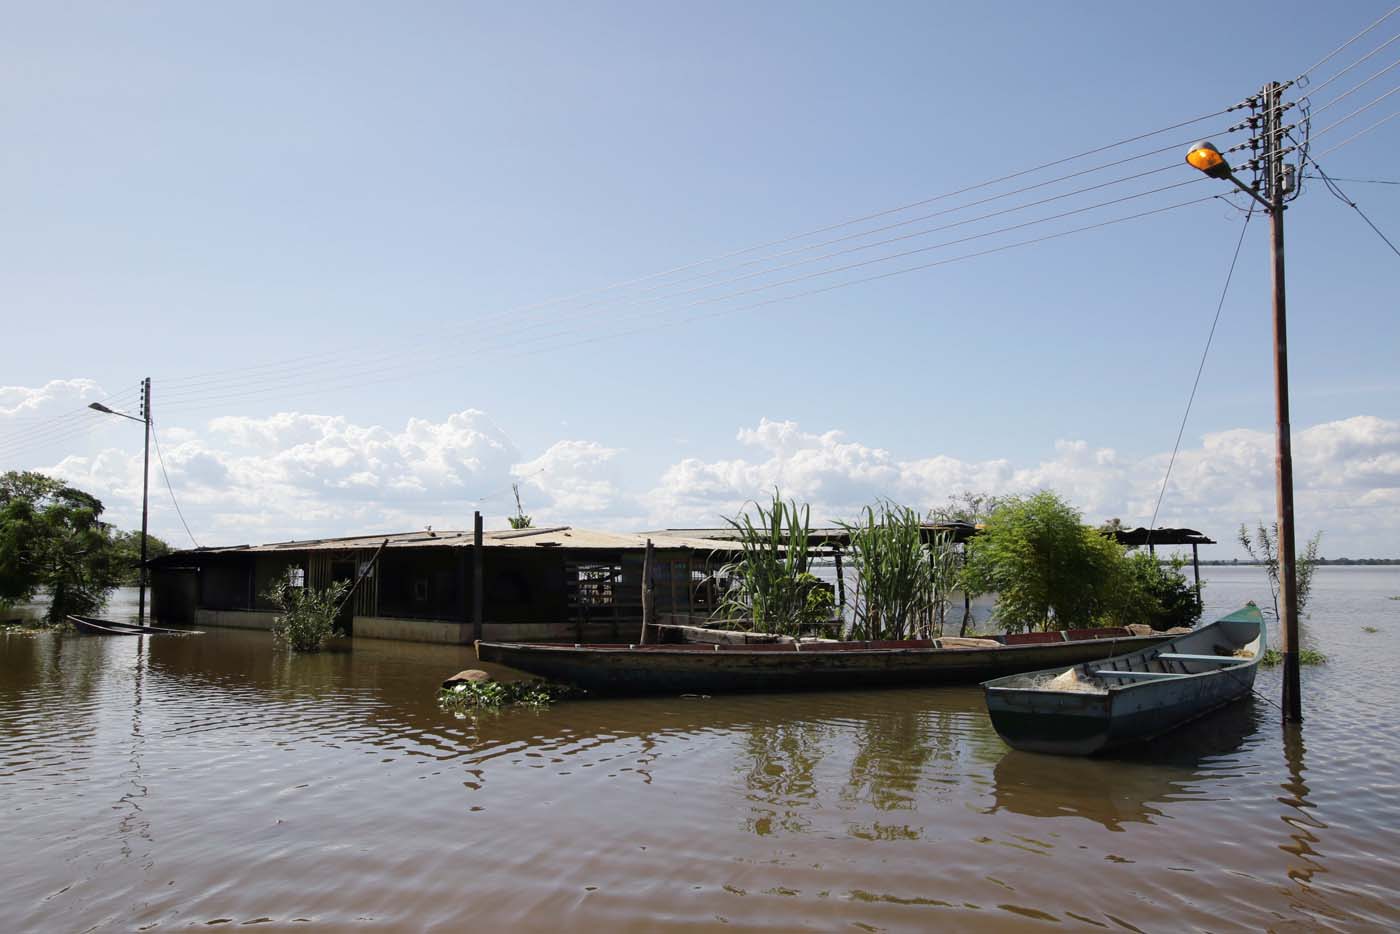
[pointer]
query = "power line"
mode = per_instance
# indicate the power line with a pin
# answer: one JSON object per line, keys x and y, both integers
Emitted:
{"x": 297, "y": 380}
{"x": 1200, "y": 368}
{"x": 174, "y": 383}
{"x": 1341, "y": 196}
{"x": 1332, "y": 54}
{"x": 178, "y": 512}
{"x": 343, "y": 379}
{"x": 1360, "y": 133}
{"x": 896, "y": 272}
{"x": 1356, "y": 87}
{"x": 1380, "y": 48}
{"x": 56, "y": 428}
{"x": 338, "y": 363}
{"x": 1361, "y": 181}
{"x": 1256, "y": 158}
{"x": 1358, "y": 110}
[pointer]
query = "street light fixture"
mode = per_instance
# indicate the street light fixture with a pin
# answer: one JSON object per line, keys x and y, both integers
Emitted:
{"x": 145, "y": 420}
{"x": 1208, "y": 159}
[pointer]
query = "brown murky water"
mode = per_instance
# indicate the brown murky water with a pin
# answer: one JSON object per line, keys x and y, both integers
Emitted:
{"x": 177, "y": 782}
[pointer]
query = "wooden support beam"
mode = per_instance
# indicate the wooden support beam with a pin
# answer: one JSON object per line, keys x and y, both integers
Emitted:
{"x": 477, "y": 578}
{"x": 648, "y": 594}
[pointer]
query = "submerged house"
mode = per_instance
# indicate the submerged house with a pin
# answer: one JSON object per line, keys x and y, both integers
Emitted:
{"x": 559, "y": 583}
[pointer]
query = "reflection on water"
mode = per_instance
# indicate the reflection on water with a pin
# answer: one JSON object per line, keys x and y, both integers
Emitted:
{"x": 1134, "y": 785}
{"x": 192, "y": 780}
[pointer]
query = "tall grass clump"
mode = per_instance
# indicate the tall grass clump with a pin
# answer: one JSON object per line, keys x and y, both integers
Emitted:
{"x": 769, "y": 585}
{"x": 1262, "y": 545}
{"x": 902, "y": 584}
{"x": 306, "y": 619}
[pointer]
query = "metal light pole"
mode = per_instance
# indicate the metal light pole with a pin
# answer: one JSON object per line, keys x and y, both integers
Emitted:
{"x": 145, "y": 420}
{"x": 1208, "y": 159}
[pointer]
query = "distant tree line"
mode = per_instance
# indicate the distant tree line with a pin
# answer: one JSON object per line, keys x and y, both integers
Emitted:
{"x": 1321, "y": 562}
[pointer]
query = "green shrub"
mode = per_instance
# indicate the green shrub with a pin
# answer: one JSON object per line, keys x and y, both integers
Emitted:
{"x": 1274, "y": 657}
{"x": 1161, "y": 595}
{"x": 493, "y": 695}
{"x": 307, "y": 615}
{"x": 1048, "y": 570}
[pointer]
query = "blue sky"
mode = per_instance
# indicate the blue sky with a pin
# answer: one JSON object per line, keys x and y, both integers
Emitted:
{"x": 194, "y": 192}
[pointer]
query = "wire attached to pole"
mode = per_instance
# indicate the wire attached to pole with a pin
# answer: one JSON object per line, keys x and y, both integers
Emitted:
{"x": 171, "y": 489}
{"x": 1199, "y": 370}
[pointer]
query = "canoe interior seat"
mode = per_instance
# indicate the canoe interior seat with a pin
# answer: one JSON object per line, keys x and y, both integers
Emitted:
{"x": 903, "y": 644}
{"x": 1136, "y": 675}
{"x": 1217, "y": 659}
{"x": 1033, "y": 638}
{"x": 833, "y": 646}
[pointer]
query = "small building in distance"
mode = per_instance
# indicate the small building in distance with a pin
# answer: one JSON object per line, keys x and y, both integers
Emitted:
{"x": 545, "y": 584}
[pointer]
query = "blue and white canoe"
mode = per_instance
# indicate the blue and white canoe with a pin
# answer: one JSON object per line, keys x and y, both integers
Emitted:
{"x": 1130, "y": 698}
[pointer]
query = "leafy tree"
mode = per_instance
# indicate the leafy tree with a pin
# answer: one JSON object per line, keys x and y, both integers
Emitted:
{"x": 52, "y": 538}
{"x": 967, "y": 507}
{"x": 127, "y": 553}
{"x": 1262, "y": 547}
{"x": 1047, "y": 569}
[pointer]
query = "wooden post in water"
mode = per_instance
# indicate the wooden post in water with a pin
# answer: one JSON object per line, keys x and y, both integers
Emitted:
{"x": 477, "y": 584}
{"x": 1196, "y": 565}
{"x": 840, "y": 584}
{"x": 648, "y": 594}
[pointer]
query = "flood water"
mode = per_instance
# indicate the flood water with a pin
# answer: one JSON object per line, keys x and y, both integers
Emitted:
{"x": 172, "y": 782}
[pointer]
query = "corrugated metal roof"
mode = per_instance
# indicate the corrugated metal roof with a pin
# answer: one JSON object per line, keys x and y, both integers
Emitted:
{"x": 564, "y": 536}
{"x": 832, "y": 535}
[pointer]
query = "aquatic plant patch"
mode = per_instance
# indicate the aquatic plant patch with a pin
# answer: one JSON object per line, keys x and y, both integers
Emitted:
{"x": 493, "y": 695}
{"x": 1274, "y": 657}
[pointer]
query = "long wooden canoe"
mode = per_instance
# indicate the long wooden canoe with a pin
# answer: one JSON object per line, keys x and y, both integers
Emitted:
{"x": 93, "y": 626}
{"x": 1133, "y": 697}
{"x": 803, "y": 666}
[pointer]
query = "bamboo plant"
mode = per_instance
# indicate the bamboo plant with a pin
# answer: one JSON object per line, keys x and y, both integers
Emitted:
{"x": 902, "y": 584}
{"x": 769, "y": 586}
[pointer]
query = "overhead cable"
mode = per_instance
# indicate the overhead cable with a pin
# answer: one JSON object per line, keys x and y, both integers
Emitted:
{"x": 176, "y": 502}
{"x": 1333, "y": 54}
{"x": 177, "y": 382}
{"x": 1342, "y": 197}
{"x": 1360, "y": 133}
{"x": 1200, "y": 369}
{"x": 351, "y": 378}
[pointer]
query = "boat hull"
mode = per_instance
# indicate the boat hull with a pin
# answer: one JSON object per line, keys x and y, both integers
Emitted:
{"x": 1074, "y": 723}
{"x": 92, "y": 626}
{"x": 711, "y": 669}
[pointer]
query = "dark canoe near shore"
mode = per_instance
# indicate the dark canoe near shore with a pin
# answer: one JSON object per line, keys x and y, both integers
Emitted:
{"x": 93, "y": 626}
{"x": 803, "y": 666}
{"x": 1130, "y": 698}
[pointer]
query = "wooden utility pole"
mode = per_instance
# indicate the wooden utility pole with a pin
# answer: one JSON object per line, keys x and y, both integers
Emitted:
{"x": 1275, "y": 189}
{"x": 145, "y": 488}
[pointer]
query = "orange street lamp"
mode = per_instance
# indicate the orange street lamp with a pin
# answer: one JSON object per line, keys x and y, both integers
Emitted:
{"x": 1208, "y": 159}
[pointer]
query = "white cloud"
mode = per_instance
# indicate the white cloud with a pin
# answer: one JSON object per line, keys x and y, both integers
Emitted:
{"x": 53, "y": 398}
{"x": 1347, "y": 478}
{"x": 579, "y": 478}
{"x": 301, "y": 475}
